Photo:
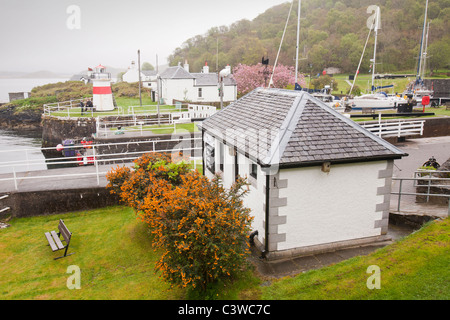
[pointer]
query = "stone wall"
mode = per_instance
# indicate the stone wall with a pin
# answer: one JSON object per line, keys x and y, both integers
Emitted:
{"x": 26, "y": 204}
{"x": 441, "y": 87}
{"x": 55, "y": 130}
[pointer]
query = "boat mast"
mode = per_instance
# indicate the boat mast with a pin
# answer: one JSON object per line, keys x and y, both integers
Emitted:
{"x": 419, "y": 66}
{"x": 424, "y": 63}
{"x": 298, "y": 40}
{"x": 376, "y": 26}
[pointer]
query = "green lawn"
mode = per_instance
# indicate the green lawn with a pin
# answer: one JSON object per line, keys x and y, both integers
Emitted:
{"x": 113, "y": 250}
{"x": 163, "y": 129}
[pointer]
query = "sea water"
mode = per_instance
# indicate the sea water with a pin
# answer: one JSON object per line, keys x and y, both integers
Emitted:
{"x": 22, "y": 85}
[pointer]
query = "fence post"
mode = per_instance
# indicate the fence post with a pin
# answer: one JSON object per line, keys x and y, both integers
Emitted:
{"x": 399, "y": 195}
{"x": 96, "y": 164}
{"x": 15, "y": 178}
{"x": 429, "y": 187}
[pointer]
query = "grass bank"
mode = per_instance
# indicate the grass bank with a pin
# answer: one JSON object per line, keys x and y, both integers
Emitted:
{"x": 415, "y": 268}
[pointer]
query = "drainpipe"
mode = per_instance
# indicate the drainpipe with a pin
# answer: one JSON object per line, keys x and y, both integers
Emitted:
{"x": 266, "y": 244}
{"x": 236, "y": 165}
{"x": 203, "y": 151}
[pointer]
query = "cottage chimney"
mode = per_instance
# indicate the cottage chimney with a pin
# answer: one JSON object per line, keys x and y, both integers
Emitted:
{"x": 206, "y": 67}
{"x": 186, "y": 66}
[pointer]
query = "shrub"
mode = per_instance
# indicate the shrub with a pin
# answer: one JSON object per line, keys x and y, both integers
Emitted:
{"x": 199, "y": 225}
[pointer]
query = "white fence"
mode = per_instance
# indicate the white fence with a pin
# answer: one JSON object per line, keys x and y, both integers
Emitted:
{"x": 395, "y": 128}
{"x": 95, "y": 159}
{"x": 180, "y": 112}
{"x": 140, "y": 122}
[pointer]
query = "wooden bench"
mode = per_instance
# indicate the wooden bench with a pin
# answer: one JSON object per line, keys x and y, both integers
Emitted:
{"x": 55, "y": 242}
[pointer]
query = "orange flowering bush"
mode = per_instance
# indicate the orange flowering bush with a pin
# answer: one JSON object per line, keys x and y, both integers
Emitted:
{"x": 200, "y": 226}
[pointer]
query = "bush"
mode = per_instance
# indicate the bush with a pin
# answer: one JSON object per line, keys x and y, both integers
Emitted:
{"x": 200, "y": 226}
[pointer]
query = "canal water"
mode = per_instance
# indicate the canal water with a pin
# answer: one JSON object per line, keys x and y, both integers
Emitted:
{"x": 18, "y": 146}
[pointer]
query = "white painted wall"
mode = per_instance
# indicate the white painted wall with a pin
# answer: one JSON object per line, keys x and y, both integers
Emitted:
{"x": 102, "y": 102}
{"x": 132, "y": 75}
{"x": 255, "y": 198}
{"x": 324, "y": 208}
{"x": 185, "y": 89}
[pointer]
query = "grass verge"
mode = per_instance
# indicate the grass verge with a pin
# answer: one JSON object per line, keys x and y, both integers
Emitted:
{"x": 415, "y": 268}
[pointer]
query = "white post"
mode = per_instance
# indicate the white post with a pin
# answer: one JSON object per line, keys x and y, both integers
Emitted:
{"x": 379, "y": 124}
{"x": 28, "y": 162}
{"x": 96, "y": 165}
{"x": 15, "y": 178}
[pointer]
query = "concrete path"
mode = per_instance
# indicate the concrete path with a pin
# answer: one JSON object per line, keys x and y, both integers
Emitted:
{"x": 419, "y": 150}
{"x": 294, "y": 266}
{"x": 56, "y": 179}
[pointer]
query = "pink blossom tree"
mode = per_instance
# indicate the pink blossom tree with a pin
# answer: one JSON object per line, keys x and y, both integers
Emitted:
{"x": 249, "y": 78}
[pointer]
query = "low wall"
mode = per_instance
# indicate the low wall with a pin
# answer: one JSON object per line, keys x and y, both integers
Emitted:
{"x": 436, "y": 127}
{"x": 55, "y": 130}
{"x": 160, "y": 143}
{"x": 26, "y": 204}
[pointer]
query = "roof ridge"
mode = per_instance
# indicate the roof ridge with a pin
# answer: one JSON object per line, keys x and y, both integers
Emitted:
{"x": 285, "y": 131}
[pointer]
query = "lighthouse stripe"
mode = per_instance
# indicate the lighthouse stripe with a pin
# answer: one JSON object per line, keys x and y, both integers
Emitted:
{"x": 102, "y": 90}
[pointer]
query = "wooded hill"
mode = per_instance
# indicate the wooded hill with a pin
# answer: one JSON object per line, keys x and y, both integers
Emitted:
{"x": 332, "y": 34}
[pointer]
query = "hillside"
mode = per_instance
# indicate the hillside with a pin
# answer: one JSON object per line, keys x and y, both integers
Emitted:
{"x": 332, "y": 34}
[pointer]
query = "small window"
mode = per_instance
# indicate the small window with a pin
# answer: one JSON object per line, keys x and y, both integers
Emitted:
{"x": 200, "y": 93}
{"x": 254, "y": 170}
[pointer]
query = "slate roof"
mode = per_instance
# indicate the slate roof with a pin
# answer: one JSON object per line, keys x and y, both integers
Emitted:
{"x": 201, "y": 79}
{"x": 176, "y": 73}
{"x": 292, "y": 128}
{"x": 211, "y": 79}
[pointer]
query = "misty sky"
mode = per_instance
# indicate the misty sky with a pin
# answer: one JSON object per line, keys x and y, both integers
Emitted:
{"x": 35, "y": 34}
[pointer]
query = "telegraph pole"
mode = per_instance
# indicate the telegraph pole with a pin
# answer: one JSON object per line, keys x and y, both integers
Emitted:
{"x": 139, "y": 68}
{"x": 158, "y": 86}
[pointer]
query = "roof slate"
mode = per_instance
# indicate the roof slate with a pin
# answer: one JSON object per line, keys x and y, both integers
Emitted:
{"x": 211, "y": 79}
{"x": 176, "y": 73}
{"x": 292, "y": 128}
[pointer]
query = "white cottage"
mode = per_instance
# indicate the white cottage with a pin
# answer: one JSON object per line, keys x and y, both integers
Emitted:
{"x": 319, "y": 181}
{"x": 148, "y": 77}
{"x": 178, "y": 84}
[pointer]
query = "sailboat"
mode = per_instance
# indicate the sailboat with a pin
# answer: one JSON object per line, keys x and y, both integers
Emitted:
{"x": 374, "y": 100}
{"x": 417, "y": 89}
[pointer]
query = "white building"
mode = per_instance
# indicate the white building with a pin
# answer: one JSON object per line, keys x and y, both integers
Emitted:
{"x": 319, "y": 181}
{"x": 148, "y": 77}
{"x": 179, "y": 84}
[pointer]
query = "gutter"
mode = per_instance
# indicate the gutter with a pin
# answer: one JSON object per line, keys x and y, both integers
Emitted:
{"x": 203, "y": 151}
{"x": 337, "y": 161}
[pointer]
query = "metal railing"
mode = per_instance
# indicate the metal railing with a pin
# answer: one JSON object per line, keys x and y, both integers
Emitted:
{"x": 6, "y": 208}
{"x": 96, "y": 159}
{"x": 431, "y": 182}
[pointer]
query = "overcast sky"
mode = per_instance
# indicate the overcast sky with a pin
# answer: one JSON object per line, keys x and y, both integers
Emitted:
{"x": 68, "y": 36}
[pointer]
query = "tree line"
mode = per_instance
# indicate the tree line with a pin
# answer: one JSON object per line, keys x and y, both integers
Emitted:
{"x": 332, "y": 34}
